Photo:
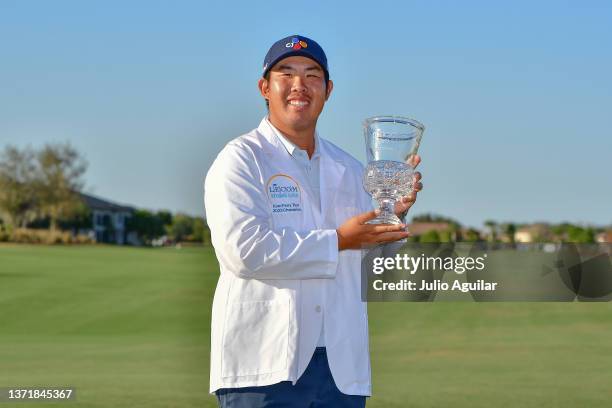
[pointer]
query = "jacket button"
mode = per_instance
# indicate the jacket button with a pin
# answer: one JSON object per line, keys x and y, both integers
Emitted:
{"x": 318, "y": 309}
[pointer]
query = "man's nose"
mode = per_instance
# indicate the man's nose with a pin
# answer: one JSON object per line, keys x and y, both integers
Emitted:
{"x": 298, "y": 85}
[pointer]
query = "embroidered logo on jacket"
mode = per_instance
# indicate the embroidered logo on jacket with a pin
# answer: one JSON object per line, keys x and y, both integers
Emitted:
{"x": 284, "y": 193}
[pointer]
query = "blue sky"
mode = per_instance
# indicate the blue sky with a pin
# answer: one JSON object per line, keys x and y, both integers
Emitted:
{"x": 516, "y": 97}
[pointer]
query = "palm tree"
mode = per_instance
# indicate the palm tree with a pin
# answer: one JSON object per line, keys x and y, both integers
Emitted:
{"x": 492, "y": 225}
{"x": 510, "y": 230}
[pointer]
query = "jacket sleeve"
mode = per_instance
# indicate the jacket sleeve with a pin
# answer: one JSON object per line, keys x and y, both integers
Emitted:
{"x": 239, "y": 219}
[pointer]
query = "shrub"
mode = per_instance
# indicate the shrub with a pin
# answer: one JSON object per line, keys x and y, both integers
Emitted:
{"x": 4, "y": 234}
{"x": 34, "y": 236}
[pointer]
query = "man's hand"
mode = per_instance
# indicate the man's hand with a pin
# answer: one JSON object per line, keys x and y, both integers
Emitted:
{"x": 355, "y": 233}
{"x": 403, "y": 205}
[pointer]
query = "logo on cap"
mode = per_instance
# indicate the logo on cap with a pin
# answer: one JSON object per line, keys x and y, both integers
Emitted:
{"x": 296, "y": 44}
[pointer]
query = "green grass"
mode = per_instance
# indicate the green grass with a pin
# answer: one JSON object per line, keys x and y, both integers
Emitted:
{"x": 130, "y": 328}
{"x": 126, "y": 327}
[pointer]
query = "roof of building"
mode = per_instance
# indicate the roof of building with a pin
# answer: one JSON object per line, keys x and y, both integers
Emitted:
{"x": 539, "y": 228}
{"x": 96, "y": 203}
{"x": 419, "y": 228}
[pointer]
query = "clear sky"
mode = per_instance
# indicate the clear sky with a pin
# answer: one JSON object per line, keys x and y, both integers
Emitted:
{"x": 516, "y": 97}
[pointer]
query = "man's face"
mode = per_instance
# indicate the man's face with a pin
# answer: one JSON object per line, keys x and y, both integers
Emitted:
{"x": 296, "y": 92}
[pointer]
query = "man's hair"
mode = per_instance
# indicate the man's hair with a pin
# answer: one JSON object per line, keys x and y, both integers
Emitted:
{"x": 267, "y": 78}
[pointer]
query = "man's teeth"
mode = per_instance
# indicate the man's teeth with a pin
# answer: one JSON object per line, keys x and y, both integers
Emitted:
{"x": 298, "y": 103}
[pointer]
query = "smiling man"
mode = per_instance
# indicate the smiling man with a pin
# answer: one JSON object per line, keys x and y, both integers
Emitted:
{"x": 287, "y": 214}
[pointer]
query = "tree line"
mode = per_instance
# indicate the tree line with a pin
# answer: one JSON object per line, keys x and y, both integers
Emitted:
{"x": 151, "y": 226}
{"x": 505, "y": 231}
{"x": 39, "y": 189}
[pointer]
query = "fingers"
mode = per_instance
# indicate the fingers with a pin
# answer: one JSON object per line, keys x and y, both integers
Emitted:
{"x": 416, "y": 178}
{"x": 355, "y": 233}
{"x": 392, "y": 236}
{"x": 367, "y": 216}
{"x": 383, "y": 228}
{"x": 404, "y": 206}
{"x": 409, "y": 199}
{"x": 414, "y": 160}
{"x": 387, "y": 232}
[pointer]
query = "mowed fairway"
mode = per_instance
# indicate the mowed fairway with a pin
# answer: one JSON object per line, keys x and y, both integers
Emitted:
{"x": 129, "y": 327}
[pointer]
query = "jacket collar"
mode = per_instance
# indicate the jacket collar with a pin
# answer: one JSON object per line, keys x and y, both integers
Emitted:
{"x": 289, "y": 145}
{"x": 275, "y": 139}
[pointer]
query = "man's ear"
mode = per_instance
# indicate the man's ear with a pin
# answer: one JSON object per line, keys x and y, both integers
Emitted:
{"x": 264, "y": 90}
{"x": 330, "y": 86}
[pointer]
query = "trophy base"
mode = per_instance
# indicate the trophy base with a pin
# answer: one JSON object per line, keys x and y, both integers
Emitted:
{"x": 388, "y": 219}
{"x": 387, "y": 216}
{"x": 387, "y": 212}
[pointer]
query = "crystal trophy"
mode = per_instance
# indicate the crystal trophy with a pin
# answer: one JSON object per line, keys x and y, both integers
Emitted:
{"x": 391, "y": 144}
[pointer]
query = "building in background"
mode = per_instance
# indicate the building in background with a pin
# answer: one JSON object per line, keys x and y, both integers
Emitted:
{"x": 604, "y": 237}
{"x": 109, "y": 221}
{"x": 419, "y": 228}
{"x": 533, "y": 233}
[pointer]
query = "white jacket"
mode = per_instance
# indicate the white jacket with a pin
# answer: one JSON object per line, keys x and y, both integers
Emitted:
{"x": 281, "y": 271}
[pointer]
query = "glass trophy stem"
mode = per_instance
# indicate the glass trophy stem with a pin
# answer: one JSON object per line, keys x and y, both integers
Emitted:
{"x": 387, "y": 212}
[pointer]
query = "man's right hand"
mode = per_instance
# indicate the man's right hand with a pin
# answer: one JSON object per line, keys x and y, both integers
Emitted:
{"x": 355, "y": 233}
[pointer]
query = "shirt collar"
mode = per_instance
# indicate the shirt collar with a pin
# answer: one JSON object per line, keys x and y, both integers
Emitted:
{"x": 289, "y": 145}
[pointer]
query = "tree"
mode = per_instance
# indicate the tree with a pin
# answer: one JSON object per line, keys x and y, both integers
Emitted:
{"x": 509, "y": 230}
{"x": 18, "y": 194}
{"x": 492, "y": 225}
{"x": 164, "y": 218}
{"x": 581, "y": 235}
{"x": 434, "y": 218}
{"x": 200, "y": 230}
{"x": 60, "y": 169}
{"x": 181, "y": 227}
{"x": 471, "y": 235}
{"x": 560, "y": 231}
{"x": 446, "y": 235}
{"x": 206, "y": 237}
{"x": 81, "y": 219}
{"x": 430, "y": 236}
{"x": 187, "y": 228}
{"x": 149, "y": 225}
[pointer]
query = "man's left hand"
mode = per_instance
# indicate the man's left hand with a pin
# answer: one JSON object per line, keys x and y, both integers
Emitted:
{"x": 404, "y": 204}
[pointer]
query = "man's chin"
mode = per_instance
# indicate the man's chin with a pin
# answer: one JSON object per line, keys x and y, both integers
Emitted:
{"x": 297, "y": 120}
{"x": 301, "y": 121}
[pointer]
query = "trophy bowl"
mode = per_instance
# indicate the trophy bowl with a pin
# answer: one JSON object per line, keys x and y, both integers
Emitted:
{"x": 391, "y": 144}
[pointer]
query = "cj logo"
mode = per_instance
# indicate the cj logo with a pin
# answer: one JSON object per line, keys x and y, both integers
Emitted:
{"x": 296, "y": 44}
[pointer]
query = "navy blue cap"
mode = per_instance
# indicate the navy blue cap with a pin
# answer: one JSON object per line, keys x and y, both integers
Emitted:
{"x": 295, "y": 45}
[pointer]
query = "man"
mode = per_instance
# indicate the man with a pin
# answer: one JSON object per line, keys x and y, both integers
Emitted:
{"x": 287, "y": 214}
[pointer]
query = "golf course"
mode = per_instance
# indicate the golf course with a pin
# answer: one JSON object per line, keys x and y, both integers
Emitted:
{"x": 130, "y": 327}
